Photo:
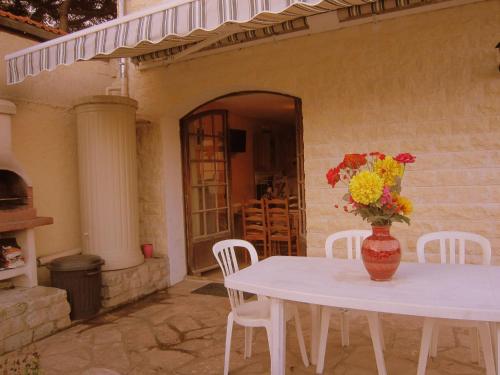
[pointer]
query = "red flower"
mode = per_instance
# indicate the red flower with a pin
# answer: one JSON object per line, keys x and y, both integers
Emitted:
{"x": 405, "y": 158}
{"x": 333, "y": 176}
{"x": 354, "y": 161}
{"x": 378, "y": 155}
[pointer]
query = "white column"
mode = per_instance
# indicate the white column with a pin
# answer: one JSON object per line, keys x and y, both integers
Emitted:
{"x": 108, "y": 179}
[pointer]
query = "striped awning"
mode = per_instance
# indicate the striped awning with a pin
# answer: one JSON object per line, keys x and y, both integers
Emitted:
{"x": 175, "y": 23}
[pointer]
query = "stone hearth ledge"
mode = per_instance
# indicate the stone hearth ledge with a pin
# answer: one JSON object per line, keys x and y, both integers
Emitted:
{"x": 123, "y": 286}
{"x": 30, "y": 314}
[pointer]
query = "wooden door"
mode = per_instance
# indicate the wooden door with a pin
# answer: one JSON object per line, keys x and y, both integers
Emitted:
{"x": 206, "y": 186}
{"x": 301, "y": 178}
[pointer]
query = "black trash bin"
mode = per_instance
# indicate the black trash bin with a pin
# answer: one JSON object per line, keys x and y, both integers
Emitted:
{"x": 80, "y": 276}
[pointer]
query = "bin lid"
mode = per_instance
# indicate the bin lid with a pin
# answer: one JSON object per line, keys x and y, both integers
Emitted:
{"x": 82, "y": 262}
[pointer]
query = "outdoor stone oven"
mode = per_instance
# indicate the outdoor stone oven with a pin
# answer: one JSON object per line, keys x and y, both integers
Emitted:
{"x": 18, "y": 216}
{"x": 27, "y": 312}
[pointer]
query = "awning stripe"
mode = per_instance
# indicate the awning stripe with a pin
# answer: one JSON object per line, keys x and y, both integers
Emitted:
{"x": 170, "y": 25}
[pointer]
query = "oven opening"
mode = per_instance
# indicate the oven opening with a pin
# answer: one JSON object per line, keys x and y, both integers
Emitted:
{"x": 13, "y": 190}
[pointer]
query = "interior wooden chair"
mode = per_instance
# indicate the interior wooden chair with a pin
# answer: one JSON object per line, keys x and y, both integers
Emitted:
{"x": 450, "y": 253}
{"x": 250, "y": 314}
{"x": 278, "y": 225}
{"x": 353, "y": 241}
{"x": 254, "y": 223}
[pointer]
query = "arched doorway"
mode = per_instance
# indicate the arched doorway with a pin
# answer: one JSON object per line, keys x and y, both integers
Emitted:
{"x": 236, "y": 148}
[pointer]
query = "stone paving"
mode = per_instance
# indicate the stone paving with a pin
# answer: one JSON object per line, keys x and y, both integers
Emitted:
{"x": 176, "y": 332}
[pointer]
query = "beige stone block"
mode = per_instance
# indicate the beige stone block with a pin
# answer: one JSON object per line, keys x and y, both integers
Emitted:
{"x": 12, "y": 326}
{"x": 38, "y": 317}
{"x": 43, "y": 330}
{"x": 118, "y": 300}
{"x": 9, "y": 311}
{"x": 111, "y": 278}
{"x": 59, "y": 311}
{"x": 19, "y": 340}
{"x": 63, "y": 323}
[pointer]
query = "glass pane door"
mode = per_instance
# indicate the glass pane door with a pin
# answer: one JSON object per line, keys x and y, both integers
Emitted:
{"x": 207, "y": 186}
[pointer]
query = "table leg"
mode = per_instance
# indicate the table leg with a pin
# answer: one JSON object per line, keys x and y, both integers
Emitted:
{"x": 425, "y": 344}
{"x": 278, "y": 347}
{"x": 485, "y": 336}
{"x": 374, "y": 325}
{"x": 497, "y": 347}
{"x": 315, "y": 323}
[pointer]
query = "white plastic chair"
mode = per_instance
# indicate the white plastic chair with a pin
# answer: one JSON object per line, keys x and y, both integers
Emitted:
{"x": 450, "y": 253}
{"x": 354, "y": 239}
{"x": 254, "y": 313}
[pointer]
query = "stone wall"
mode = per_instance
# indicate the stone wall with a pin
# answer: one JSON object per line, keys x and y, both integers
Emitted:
{"x": 152, "y": 226}
{"x": 128, "y": 285}
{"x": 424, "y": 83}
{"x": 29, "y": 314}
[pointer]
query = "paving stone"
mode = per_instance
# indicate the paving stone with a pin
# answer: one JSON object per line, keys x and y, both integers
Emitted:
{"x": 107, "y": 335}
{"x": 184, "y": 323}
{"x": 138, "y": 337}
{"x": 167, "y": 360}
{"x": 70, "y": 361}
{"x": 194, "y": 345}
{"x": 100, "y": 371}
{"x": 166, "y": 335}
{"x": 201, "y": 333}
{"x": 112, "y": 356}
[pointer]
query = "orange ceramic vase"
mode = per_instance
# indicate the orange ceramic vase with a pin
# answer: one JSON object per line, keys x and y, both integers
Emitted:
{"x": 381, "y": 254}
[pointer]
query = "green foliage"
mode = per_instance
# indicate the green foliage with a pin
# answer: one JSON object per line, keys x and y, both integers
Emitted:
{"x": 68, "y": 15}
{"x": 28, "y": 365}
{"x": 379, "y": 216}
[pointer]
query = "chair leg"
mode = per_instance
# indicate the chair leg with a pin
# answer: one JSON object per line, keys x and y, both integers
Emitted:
{"x": 474, "y": 343}
{"x": 434, "y": 341}
{"x": 300, "y": 336}
{"x": 229, "y": 333}
{"x": 382, "y": 338}
{"x": 425, "y": 344}
{"x": 248, "y": 341}
{"x": 494, "y": 339}
{"x": 344, "y": 328}
{"x": 485, "y": 336}
{"x": 325, "y": 325}
{"x": 270, "y": 340}
{"x": 374, "y": 325}
{"x": 315, "y": 322}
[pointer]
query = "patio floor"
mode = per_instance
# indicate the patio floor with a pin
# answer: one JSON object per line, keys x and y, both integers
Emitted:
{"x": 176, "y": 332}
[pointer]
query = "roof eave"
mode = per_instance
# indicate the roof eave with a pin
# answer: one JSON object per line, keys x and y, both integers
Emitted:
{"x": 26, "y": 30}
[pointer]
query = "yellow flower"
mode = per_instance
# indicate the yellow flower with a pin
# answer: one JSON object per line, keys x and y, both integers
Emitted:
{"x": 404, "y": 204}
{"x": 366, "y": 187}
{"x": 388, "y": 169}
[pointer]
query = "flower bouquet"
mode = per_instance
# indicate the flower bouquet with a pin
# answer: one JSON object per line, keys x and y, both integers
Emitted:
{"x": 374, "y": 193}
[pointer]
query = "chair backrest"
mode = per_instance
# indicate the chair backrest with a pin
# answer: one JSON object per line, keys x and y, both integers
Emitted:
{"x": 353, "y": 237}
{"x": 254, "y": 219}
{"x": 226, "y": 257}
{"x": 448, "y": 246}
{"x": 278, "y": 218}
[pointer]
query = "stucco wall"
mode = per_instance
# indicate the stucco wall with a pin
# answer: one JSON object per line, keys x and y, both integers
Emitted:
{"x": 426, "y": 84}
{"x": 44, "y": 139}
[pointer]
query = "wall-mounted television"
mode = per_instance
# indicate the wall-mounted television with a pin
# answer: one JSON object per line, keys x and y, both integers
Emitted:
{"x": 237, "y": 140}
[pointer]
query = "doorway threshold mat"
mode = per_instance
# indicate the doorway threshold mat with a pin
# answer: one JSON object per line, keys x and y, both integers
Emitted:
{"x": 218, "y": 290}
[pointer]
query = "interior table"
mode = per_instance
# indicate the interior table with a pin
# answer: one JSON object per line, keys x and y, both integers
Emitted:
{"x": 450, "y": 291}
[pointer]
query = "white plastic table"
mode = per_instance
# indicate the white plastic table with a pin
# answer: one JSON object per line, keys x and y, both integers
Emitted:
{"x": 466, "y": 292}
